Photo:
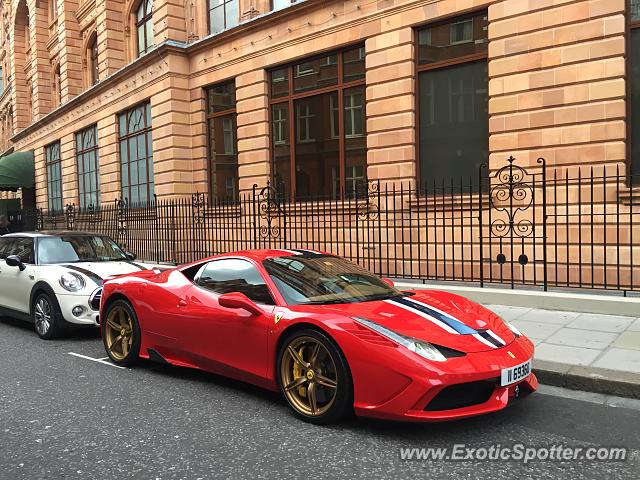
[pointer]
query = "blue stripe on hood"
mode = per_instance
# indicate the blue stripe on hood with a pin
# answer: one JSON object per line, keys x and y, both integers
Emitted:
{"x": 457, "y": 325}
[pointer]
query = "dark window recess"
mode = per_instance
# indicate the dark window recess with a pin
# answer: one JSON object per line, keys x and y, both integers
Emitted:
{"x": 136, "y": 154}
{"x": 54, "y": 176}
{"x": 88, "y": 167}
{"x": 144, "y": 27}
{"x": 222, "y": 140}
{"x": 318, "y": 126}
{"x": 453, "y": 101}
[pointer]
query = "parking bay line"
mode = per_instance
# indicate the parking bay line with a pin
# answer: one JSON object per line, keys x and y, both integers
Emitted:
{"x": 97, "y": 360}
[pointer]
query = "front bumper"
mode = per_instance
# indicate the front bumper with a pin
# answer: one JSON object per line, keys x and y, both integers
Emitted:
{"x": 68, "y": 302}
{"x": 426, "y": 394}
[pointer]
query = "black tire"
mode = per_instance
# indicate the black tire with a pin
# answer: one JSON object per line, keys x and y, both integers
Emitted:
{"x": 47, "y": 316}
{"x": 115, "y": 347}
{"x": 336, "y": 370}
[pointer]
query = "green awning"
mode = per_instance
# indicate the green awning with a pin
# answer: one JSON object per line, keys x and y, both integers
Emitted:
{"x": 16, "y": 171}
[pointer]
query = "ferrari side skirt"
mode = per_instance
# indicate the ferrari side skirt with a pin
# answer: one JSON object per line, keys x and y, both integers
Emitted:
{"x": 156, "y": 357}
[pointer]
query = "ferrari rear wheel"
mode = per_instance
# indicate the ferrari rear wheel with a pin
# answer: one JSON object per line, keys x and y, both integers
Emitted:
{"x": 314, "y": 377}
{"x": 121, "y": 333}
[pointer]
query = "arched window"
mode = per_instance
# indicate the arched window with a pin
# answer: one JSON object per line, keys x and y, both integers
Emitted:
{"x": 144, "y": 26}
{"x": 92, "y": 63}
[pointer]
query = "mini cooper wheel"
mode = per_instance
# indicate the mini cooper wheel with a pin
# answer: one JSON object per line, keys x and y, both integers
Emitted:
{"x": 46, "y": 316}
{"x": 121, "y": 333}
{"x": 314, "y": 377}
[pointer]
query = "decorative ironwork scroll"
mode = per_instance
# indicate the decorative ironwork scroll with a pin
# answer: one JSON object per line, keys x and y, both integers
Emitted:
{"x": 269, "y": 210}
{"x": 368, "y": 200}
{"x": 70, "y": 216}
{"x": 122, "y": 209}
{"x": 199, "y": 205}
{"x": 511, "y": 196}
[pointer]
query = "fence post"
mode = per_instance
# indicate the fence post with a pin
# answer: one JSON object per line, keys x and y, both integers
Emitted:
{"x": 483, "y": 167}
{"x": 544, "y": 223}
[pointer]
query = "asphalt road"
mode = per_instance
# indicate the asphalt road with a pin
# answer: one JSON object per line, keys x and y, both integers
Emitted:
{"x": 63, "y": 416}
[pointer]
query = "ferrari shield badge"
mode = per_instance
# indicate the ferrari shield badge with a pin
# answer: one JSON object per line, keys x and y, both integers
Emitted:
{"x": 278, "y": 317}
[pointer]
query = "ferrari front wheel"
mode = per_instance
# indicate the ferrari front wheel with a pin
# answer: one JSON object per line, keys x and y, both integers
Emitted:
{"x": 121, "y": 333}
{"x": 314, "y": 377}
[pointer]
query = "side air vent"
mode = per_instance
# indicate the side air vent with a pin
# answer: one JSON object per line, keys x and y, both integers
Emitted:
{"x": 94, "y": 299}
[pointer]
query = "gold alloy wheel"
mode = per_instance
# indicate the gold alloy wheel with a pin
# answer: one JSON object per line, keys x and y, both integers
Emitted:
{"x": 119, "y": 333}
{"x": 309, "y": 376}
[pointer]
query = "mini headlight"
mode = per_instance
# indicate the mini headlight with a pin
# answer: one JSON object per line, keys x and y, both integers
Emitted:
{"x": 514, "y": 329}
{"x": 72, "y": 282}
{"x": 424, "y": 349}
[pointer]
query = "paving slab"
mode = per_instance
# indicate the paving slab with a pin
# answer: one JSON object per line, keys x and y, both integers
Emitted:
{"x": 635, "y": 326}
{"x": 574, "y": 337}
{"x": 602, "y": 323}
{"x": 620, "y": 359}
{"x": 536, "y": 330}
{"x": 566, "y": 354}
{"x": 629, "y": 340}
{"x": 549, "y": 316}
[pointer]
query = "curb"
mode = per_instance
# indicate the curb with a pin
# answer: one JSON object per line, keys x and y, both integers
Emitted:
{"x": 589, "y": 379}
{"x": 594, "y": 302}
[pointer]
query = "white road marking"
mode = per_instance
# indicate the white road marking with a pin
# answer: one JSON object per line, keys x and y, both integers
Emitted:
{"x": 97, "y": 360}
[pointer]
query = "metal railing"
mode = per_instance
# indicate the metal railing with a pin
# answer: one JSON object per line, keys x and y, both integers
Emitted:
{"x": 543, "y": 227}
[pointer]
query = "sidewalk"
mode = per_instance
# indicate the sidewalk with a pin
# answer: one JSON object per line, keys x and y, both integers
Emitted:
{"x": 585, "y": 339}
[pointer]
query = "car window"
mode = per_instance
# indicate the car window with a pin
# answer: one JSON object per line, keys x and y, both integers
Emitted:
{"x": 23, "y": 248}
{"x": 5, "y": 247}
{"x": 234, "y": 275}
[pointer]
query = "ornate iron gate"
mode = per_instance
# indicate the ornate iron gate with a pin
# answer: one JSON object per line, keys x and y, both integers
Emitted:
{"x": 513, "y": 225}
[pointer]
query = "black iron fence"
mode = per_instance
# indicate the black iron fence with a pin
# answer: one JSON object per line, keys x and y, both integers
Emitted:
{"x": 539, "y": 226}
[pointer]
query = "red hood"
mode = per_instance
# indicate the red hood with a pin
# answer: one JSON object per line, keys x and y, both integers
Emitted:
{"x": 437, "y": 317}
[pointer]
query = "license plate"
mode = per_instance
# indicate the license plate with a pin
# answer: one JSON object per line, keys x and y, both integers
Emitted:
{"x": 515, "y": 374}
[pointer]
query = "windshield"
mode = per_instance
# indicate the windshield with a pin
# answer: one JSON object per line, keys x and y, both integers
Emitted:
{"x": 322, "y": 279}
{"x": 81, "y": 248}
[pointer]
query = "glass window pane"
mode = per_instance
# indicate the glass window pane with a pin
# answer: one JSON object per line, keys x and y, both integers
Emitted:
{"x": 148, "y": 28}
{"x": 452, "y": 40}
{"x": 281, "y": 4}
{"x": 317, "y": 73}
{"x": 222, "y": 97}
{"x": 355, "y": 141}
{"x": 280, "y": 83}
{"x": 281, "y": 152}
{"x": 141, "y": 40}
{"x": 216, "y": 19}
{"x": 317, "y": 153}
{"x": 354, "y": 67}
{"x": 453, "y": 122}
{"x": 232, "y": 13}
{"x": 634, "y": 10}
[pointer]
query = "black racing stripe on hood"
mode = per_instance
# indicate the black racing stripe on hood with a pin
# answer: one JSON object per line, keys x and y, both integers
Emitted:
{"x": 490, "y": 339}
{"x": 96, "y": 278}
{"x": 137, "y": 265}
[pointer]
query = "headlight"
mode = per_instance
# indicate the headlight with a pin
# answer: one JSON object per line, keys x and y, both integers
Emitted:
{"x": 72, "y": 282}
{"x": 514, "y": 329}
{"x": 424, "y": 349}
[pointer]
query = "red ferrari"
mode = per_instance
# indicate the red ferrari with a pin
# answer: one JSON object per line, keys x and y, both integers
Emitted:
{"x": 330, "y": 336}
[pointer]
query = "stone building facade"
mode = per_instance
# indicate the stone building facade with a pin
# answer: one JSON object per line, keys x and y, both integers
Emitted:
{"x": 131, "y": 98}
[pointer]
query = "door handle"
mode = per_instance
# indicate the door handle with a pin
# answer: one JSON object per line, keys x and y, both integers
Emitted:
{"x": 182, "y": 304}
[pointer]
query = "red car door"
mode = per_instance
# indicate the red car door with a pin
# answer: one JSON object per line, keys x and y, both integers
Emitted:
{"x": 232, "y": 342}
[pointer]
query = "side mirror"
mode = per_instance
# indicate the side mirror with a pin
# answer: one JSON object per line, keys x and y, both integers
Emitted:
{"x": 388, "y": 281}
{"x": 130, "y": 256}
{"x": 14, "y": 261}
{"x": 240, "y": 301}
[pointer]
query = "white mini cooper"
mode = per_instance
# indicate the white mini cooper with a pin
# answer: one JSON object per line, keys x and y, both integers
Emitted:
{"x": 54, "y": 279}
